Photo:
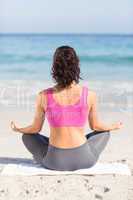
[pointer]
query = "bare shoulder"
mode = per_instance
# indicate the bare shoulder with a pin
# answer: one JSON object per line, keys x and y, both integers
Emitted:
{"x": 42, "y": 92}
{"x": 92, "y": 93}
{"x": 91, "y": 97}
{"x": 41, "y": 97}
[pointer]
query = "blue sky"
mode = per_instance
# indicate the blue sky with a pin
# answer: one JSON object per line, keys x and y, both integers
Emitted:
{"x": 71, "y": 16}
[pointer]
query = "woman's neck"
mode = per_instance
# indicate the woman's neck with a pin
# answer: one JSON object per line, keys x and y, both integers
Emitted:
{"x": 72, "y": 85}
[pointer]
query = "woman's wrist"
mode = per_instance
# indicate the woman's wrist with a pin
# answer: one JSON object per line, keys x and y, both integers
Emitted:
{"x": 111, "y": 128}
{"x": 21, "y": 130}
{"x": 116, "y": 126}
{"x": 17, "y": 129}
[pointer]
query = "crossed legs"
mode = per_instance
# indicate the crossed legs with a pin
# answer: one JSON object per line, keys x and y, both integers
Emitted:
{"x": 98, "y": 140}
{"x": 37, "y": 144}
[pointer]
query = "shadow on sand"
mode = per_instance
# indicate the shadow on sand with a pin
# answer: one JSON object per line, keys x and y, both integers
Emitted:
{"x": 9, "y": 160}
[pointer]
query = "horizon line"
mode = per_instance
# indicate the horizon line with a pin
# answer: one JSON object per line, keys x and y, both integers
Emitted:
{"x": 62, "y": 33}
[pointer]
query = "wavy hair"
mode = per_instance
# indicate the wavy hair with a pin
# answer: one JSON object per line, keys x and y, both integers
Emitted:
{"x": 65, "y": 68}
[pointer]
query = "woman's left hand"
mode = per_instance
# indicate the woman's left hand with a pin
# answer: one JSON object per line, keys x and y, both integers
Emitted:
{"x": 14, "y": 127}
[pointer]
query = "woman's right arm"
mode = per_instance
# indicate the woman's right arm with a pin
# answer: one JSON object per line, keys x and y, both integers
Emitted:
{"x": 94, "y": 122}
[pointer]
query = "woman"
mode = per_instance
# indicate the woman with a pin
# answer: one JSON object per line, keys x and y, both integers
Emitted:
{"x": 67, "y": 106}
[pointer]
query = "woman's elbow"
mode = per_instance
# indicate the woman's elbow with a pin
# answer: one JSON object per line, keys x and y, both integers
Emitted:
{"x": 36, "y": 129}
{"x": 93, "y": 127}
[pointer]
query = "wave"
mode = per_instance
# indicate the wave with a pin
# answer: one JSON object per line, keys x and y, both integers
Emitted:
{"x": 11, "y": 58}
{"x": 112, "y": 59}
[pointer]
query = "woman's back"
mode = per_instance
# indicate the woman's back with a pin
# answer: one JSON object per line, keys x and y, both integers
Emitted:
{"x": 67, "y": 113}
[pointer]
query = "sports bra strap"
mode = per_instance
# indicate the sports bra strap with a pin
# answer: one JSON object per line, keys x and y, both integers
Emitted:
{"x": 83, "y": 99}
{"x": 49, "y": 95}
{"x": 84, "y": 96}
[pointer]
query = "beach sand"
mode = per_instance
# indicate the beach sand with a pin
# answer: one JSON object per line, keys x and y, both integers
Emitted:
{"x": 67, "y": 187}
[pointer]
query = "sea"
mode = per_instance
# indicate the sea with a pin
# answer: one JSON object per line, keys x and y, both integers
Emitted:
{"x": 106, "y": 63}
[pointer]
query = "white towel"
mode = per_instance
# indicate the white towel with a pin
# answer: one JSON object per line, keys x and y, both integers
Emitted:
{"x": 99, "y": 168}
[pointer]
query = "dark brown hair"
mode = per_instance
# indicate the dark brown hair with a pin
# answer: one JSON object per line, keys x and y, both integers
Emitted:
{"x": 65, "y": 68}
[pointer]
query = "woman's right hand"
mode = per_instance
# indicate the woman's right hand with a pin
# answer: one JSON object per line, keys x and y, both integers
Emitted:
{"x": 116, "y": 126}
{"x": 14, "y": 127}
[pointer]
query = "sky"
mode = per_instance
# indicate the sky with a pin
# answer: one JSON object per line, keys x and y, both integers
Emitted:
{"x": 66, "y": 16}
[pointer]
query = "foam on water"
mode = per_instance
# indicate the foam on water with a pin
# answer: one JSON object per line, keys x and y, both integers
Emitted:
{"x": 111, "y": 95}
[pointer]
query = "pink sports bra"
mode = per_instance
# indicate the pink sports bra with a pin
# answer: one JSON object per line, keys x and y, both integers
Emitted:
{"x": 67, "y": 115}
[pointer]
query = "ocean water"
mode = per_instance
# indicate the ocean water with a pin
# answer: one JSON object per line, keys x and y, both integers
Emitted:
{"x": 106, "y": 63}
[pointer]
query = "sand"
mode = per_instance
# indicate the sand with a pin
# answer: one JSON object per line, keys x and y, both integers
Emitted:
{"x": 67, "y": 187}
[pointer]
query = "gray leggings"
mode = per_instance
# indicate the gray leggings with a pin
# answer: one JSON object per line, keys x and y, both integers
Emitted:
{"x": 55, "y": 158}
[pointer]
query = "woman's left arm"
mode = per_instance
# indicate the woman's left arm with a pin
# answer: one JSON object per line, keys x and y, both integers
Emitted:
{"x": 38, "y": 120}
